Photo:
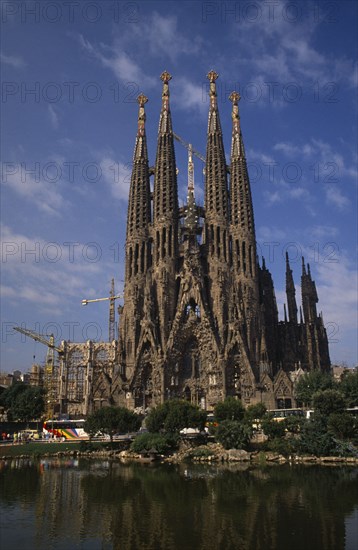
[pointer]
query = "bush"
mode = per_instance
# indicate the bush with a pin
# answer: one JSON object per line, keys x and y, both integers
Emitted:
{"x": 315, "y": 440}
{"x": 293, "y": 424}
{"x": 161, "y": 443}
{"x": 233, "y": 435}
{"x": 344, "y": 426}
{"x": 200, "y": 452}
{"x": 282, "y": 446}
{"x": 272, "y": 428}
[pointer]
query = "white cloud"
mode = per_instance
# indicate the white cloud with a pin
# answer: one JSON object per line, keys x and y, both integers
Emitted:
{"x": 47, "y": 273}
{"x": 117, "y": 175}
{"x": 27, "y": 181}
{"x": 190, "y": 96}
{"x": 285, "y": 51}
{"x": 322, "y": 231}
{"x": 53, "y": 116}
{"x": 15, "y": 61}
{"x": 335, "y": 197}
{"x": 120, "y": 63}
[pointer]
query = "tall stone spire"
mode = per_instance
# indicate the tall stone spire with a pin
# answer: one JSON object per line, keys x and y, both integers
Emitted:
{"x": 290, "y": 293}
{"x": 309, "y": 294}
{"x": 165, "y": 217}
{"x": 165, "y": 183}
{"x": 216, "y": 215}
{"x": 216, "y": 194}
{"x": 139, "y": 211}
{"x": 138, "y": 248}
{"x": 242, "y": 230}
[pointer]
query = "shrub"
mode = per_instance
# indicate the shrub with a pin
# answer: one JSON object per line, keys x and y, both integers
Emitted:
{"x": 282, "y": 446}
{"x": 233, "y": 435}
{"x": 293, "y": 424}
{"x": 161, "y": 443}
{"x": 344, "y": 426}
{"x": 315, "y": 440}
{"x": 272, "y": 428}
{"x": 199, "y": 452}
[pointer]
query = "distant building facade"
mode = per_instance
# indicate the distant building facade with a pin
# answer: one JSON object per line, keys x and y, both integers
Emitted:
{"x": 200, "y": 319}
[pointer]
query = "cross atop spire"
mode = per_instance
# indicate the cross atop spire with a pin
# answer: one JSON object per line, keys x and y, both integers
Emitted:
{"x": 212, "y": 76}
{"x": 235, "y": 98}
{"x": 165, "y": 77}
{"x": 142, "y": 100}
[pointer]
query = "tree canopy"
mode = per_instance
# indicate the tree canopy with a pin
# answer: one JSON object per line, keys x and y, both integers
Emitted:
{"x": 349, "y": 387}
{"x": 327, "y": 402}
{"x": 23, "y": 402}
{"x": 112, "y": 420}
{"x": 310, "y": 383}
{"x": 230, "y": 409}
{"x": 174, "y": 415}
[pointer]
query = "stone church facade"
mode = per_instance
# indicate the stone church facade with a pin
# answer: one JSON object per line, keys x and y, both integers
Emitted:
{"x": 199, "y": 320}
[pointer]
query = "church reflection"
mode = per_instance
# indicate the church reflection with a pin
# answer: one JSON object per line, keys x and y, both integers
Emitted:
{"x": 132, "y": 507}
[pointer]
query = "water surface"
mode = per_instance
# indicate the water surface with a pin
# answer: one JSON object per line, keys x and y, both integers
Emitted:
{"x": 65, "y": 505}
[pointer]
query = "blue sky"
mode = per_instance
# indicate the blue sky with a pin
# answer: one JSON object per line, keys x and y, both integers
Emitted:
{"x": 71, "y": 74}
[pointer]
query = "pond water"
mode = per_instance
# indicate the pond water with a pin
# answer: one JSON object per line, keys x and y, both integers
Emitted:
{"x": 67, "y": 505}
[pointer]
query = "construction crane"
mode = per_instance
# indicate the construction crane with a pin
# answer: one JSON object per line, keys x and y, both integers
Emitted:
{"x": 189, "y": 146}
{"x": 40, "y": 338}
{"x": 50, "y": 371}
{"x": 112, "y": 318}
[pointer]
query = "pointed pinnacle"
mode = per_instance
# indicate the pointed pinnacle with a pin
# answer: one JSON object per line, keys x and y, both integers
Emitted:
{"x": 303, "y": 266}
{"x": 142, "y": 100}
{"x": 212, "y": 76}
{"x": 235, "y": 97}
{"x": 165, "y": 77}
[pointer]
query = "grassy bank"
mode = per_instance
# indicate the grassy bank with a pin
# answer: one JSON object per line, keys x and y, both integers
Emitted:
{"x": 37, "y": 449}
{"x": 44, "y": 448}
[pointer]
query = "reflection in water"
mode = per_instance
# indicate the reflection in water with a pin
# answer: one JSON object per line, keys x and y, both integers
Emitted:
{"x": 100, "y": 505}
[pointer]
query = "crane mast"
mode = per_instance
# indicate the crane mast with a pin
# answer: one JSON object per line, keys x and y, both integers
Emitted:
{"x": 112, "y": 317}
{"x": 50, "y": 370}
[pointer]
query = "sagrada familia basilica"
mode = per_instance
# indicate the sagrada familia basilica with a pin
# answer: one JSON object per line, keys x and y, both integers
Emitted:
{"x": 200, "y": 319}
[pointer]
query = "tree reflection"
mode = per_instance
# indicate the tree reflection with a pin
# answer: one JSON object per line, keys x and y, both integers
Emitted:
{"x": 134, "y": 507}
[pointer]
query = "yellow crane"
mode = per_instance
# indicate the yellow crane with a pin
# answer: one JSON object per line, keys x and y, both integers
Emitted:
{"x": 112, "y": 318}
{"x": 50, "y": 371}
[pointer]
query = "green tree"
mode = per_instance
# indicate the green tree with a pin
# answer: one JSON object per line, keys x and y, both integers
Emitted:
{"x": 349, "y": 387}
{"x": 233, "y": 434}
{"x": 315, "y": 440}
{"x": 23, "y": 402}
{"x": 310, "y": 383}
{"x": 272, "y": 428}
{"x": 293, "y": 424}
{"x": 112, "y": 420}
{"x": 174, "y": 415}
{"x": 326, "y": 402}
{"x": 254, "y": 412}
{"x": 343, "y": 426}
{"x": 161, "y": 443}
{"x": 230, "y": 409}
